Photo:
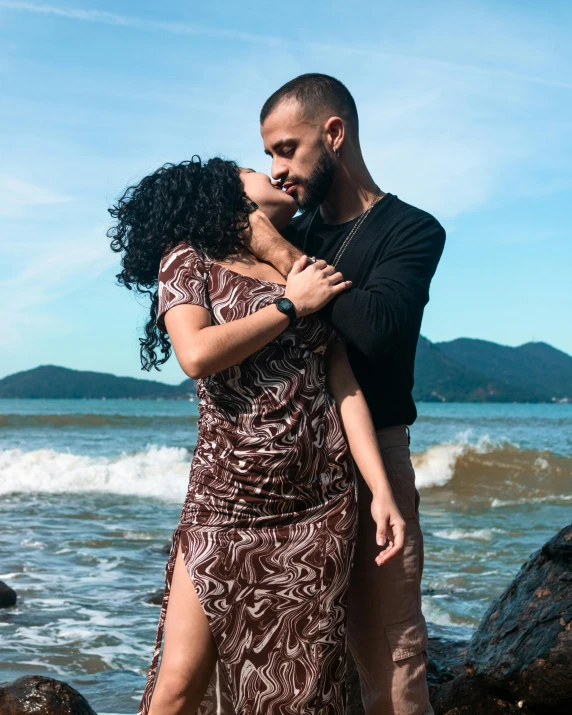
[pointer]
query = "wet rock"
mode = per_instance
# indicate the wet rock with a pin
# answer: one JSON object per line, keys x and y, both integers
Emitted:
{"x": 8, "y": 596}
{"x": 469, "y": 695}
{"x": 523, "y": 645}
{"x": 446, "y": 660}
{"x": 156, "y": 598}
{"x": 35, "y": 694}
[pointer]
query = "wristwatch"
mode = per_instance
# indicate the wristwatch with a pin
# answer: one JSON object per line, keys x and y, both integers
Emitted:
{"x": 286, "y": 306}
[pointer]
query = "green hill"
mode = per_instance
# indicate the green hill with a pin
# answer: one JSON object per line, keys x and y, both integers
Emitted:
{"x": 463, "y": 370}
{"x": 439, "y": 378}
{"x": 50, "y": 381}
{"x": 541, "y": 369}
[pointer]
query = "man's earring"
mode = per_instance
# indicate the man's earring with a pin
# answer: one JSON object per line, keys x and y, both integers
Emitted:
{"x": 337, "y": 152}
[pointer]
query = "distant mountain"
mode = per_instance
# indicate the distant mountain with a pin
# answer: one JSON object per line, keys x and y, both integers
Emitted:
{"x": 539, "y": 368}
{"x": 49, "y": 381}
{"x": 462, "y": 370}
{"x": 439, "y": 378}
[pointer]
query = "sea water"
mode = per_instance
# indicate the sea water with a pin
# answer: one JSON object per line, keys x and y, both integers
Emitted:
{"x": 91, "y": 491}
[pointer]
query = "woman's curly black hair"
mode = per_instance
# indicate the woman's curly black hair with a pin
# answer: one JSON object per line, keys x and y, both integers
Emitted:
{"x": 202, "y": 203}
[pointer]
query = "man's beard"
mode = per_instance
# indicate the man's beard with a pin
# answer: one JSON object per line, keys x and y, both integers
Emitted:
{"x": 318, "y": 185}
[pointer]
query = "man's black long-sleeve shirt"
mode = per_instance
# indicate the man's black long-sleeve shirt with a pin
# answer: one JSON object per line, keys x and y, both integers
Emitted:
{"x": 390, "y": 260}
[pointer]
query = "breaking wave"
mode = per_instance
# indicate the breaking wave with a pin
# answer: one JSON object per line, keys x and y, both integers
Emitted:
{"x": 160, "y": 472}
{"x": 503, "y": 473}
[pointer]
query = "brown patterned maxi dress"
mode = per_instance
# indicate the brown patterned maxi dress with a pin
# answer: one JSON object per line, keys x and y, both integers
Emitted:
{"x": 268, "y": 525}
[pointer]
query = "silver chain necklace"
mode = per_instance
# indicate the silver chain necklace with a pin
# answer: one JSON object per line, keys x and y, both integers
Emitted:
{"x": 351, "y": 234}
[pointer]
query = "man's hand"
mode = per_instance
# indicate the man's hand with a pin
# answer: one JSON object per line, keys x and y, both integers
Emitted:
{"x": 266, "y": 243}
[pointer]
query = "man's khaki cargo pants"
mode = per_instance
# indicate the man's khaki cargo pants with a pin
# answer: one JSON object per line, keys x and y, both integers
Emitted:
{"x": 387, "y": 633}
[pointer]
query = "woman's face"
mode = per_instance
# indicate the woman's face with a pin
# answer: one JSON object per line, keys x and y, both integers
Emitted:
{"x": 276, "y": 204}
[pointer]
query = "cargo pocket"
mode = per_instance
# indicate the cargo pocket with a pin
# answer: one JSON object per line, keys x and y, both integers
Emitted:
{"x": 407, "y": 638}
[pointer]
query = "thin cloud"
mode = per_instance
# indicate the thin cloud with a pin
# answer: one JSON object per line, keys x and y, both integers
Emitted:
{"x": 52, "y": 271}
{"x": 110, "y": 18}
{"x": 183, "y": 28}
{"x": 17, "y": 195}
{"x": 48, "y": 273}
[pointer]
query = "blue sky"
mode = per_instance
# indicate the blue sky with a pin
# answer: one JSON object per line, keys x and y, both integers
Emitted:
{"x": 465, "y": 111}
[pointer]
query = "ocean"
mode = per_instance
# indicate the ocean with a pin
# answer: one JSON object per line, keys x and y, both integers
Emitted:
{"x": 91, "y": 490}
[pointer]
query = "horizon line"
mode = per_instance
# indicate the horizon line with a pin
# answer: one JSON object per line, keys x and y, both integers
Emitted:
{"x": 130, "y": 377}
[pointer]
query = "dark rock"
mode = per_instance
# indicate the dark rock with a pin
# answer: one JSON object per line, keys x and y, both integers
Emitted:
{"x": 355, "y": 706}
{"x": 8, "y": 596}
{"x": 446, "y": 660}
{"x": 519, "y": 660}
{"x": 523, "y": 645}
{"x": 469, "y": 695}
{"x": 34, "y": 694}
{"x": 156, "y": 598}
{"x": 559, "y": 547}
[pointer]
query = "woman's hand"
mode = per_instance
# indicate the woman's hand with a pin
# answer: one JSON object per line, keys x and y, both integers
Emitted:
{"x": 311, "y": 285}
{"x": 364, "y": 446}
{"x": 390, "y": 527}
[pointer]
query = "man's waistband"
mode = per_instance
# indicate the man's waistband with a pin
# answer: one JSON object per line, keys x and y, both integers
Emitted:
{"x": 397, "y": 436}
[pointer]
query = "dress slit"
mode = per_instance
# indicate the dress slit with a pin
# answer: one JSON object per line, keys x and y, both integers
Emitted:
{"x": 153, "y": 668}
{"x": 217, "y": 699}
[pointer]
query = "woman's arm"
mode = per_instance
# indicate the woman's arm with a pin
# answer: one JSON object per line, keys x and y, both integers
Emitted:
{"x": 360, "y": 434}
{"x": 202, "y": 348}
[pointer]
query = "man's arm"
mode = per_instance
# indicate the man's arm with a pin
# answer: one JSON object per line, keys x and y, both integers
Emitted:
{"x": 374, "y": 317}
{"x": 264, "y": 240}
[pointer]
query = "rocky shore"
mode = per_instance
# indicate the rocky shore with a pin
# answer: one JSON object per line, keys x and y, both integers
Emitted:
{"x": 34, "y": 694}
{"x": 518, "y": 661}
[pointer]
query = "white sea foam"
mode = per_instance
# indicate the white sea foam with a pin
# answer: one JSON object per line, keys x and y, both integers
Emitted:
{"x": 531, "y": 500}
{"x": 161, "y": 472}
{"x": 51, "y": 668}
{"x": 31, "y": 544}
{"x": 467, "y": 534}
{"x": 434, "y": 612}
{"x": 436, "y": 466}
{"x": 541, "y": 464}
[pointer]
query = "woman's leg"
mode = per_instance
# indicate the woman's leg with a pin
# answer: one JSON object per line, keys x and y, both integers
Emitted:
{"x": 189, "y": 651}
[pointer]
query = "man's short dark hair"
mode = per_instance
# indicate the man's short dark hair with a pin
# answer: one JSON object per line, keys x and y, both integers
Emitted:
{"x": 315, "y": 93}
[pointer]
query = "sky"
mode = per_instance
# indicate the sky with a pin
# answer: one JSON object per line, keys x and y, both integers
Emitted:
{"x": 465, "y": 111}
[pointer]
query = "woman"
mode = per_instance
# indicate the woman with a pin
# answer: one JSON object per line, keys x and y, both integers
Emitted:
{"x": 257, "y": 575}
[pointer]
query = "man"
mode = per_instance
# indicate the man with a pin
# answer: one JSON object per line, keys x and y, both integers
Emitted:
{"x": 390, "y": 251}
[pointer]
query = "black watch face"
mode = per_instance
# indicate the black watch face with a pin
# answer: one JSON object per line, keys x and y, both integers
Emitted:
{"x": 286, "y": 303}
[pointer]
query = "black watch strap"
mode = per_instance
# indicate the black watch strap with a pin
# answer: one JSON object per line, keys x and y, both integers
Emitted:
{"x": 286, "y": 306}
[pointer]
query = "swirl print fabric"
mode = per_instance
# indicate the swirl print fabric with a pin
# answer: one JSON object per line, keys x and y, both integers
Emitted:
{"x": 268, "y": 525}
